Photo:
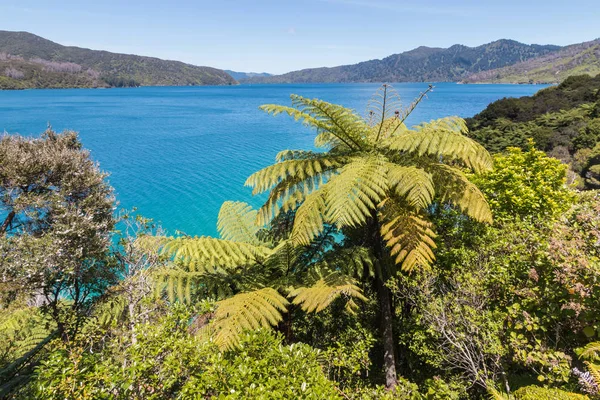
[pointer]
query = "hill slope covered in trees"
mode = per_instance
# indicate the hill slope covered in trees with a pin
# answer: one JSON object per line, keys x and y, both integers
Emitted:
{"x": 577, "y": 59}
{"x": 421, "y": 64}
{"x": 30, "y": 61}
{"x": 563, "y": 120}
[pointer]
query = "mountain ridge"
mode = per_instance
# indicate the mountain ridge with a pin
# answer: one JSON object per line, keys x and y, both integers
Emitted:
{"x": 31, "y": 61}
{"x": 575, "y": 59}
{"x": 421, "y": 64}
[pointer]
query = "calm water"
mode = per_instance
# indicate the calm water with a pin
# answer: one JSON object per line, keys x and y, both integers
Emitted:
{"x": 176, "y": 153}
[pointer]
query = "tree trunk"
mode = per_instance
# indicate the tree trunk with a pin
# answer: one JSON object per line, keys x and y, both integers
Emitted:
{"x": 7, "y": 222}
{"x": 385, "y": 306}
{"x": 387, "y": 318}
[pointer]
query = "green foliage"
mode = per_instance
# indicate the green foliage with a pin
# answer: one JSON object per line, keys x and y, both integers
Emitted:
{"x": 398, "y": 179}
{"x": 526, "y": 183}
{"x": 167, "y": 362}
{"x": 540, "y": 393}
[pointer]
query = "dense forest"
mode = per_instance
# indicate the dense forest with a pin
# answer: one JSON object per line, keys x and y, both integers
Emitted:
{"x": 396, "y": 262}
{"x": 30, "y": 61}
{"x": 563, "y": 121}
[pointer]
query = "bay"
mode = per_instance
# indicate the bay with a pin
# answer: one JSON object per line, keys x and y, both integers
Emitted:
{"x": 176, "y": 153}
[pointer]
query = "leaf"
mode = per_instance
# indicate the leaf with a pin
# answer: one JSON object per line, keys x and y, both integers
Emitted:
{"x": 261, "y": 308}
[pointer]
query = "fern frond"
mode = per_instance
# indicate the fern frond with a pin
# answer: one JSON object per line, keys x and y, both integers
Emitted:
{"x": 455, "y": 187}
{"x": 443, "y": 138}
{"x": 413, "y": 184}
{"x": 497, "y": 395}
{"x": 409, "y": 236}
{"x": 237, "y": 222}
{"x": 319, "y": 296}
{"x": 355, "y": 192}
{"x": 202, "y": 253}
{"x": 261, "y": 308}
{"x": 309, "y": 220}
{"x": 591, "y": 351}
{"x": 354, "y": 261}
{"x": 594, "y": 370}
{"x": 301, "y": 169}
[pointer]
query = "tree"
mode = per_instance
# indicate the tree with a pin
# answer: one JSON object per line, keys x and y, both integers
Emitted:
{"x": 251, "y": 274}
{"x": 377, "y": 176}
{"x": 57, "y": 214}
{"x": 526, "y": 183}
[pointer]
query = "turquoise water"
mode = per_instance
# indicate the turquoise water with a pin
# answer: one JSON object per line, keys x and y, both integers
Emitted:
{"x": 176, "y": 153}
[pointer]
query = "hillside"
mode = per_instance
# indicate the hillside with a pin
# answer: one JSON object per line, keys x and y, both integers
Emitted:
{"x": 239, "y": 76}
{"x": 421, "y": 64}
{"x": 577, "y": 59}
{"x": 30, "y": 61}
{"x": 563, "y": 120}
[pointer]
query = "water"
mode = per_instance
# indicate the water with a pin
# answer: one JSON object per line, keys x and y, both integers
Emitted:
{"x": 176, "y": 153}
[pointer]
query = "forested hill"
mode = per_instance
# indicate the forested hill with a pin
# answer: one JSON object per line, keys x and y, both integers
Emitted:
{"x": 30, "y": 61}
{"x": 563, "y": 120}
{"x": 423, "y": 64}
{"x": 577, "y": 59}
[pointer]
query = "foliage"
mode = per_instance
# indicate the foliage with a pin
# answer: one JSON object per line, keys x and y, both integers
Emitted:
{"x": 526, "y": 183}
{"x": 167, "y": 361}
{"x": 540, "y": 393}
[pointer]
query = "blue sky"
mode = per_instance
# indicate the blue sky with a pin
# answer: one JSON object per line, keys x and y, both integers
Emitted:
{"x": 279, "y": 36}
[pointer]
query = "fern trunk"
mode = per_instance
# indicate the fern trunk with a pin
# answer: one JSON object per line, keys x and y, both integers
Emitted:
{"x": 385, "y": 305}
{"x": 389, "y": 357}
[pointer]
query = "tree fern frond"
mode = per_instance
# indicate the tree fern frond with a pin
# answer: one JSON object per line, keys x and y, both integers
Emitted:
{"x": 309, "y": 220}
{"x": 413, "y": 184}
{"x": 355, "y": 261}
{"x": 342, "y": 122}
{"x": 200, "y": 253}
{"x": 409, "y": 236}
{"x": 443, "y": 138}
{"x": 237, "y": 222}
{"x": 456, "y": 188}
{"x": 261, "y": 308}
{"x": 301, "y": 169}
{"x": 591, "y": 351}
{"x": 594, "y": 370}
{"x": 356, "y": 191}
{"x": 319, "y": 296}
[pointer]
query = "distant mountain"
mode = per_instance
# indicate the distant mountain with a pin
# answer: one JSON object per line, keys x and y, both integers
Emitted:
{"x": 30, "y": 61}
{"x": 577, "y": 59}
{"x": 423, "y": 64}
{"x": 240, "y": 76}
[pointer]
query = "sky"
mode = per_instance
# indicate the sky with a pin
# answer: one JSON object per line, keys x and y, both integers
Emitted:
{"x": 278, "y": 36}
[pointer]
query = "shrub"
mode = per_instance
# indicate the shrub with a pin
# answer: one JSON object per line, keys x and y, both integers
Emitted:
{"x": 540, "y": 393}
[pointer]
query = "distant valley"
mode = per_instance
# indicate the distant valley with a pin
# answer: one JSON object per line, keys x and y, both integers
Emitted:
{"x": 247, "y": 75}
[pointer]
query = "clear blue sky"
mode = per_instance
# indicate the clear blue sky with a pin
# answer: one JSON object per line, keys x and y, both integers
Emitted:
{"x": 282, "y": 35}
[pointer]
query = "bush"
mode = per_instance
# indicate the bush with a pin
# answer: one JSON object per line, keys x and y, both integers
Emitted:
{"x": 540, "y": 393}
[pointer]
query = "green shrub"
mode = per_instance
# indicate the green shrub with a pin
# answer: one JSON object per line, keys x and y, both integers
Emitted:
{"x": 540, "y": 393}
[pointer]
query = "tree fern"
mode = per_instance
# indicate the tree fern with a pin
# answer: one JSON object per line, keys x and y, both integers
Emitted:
{"x": 260, "y": 308}
{"x": 323, "y": 292}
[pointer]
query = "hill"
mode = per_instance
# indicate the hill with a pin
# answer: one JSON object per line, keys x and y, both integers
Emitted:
{"x": 563, "y": 120}
{"x": 423, "y": 64}
{"x": 577, "y": 59}
{"x": 240, "y": 76}
{"x": 30, "y": 61}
